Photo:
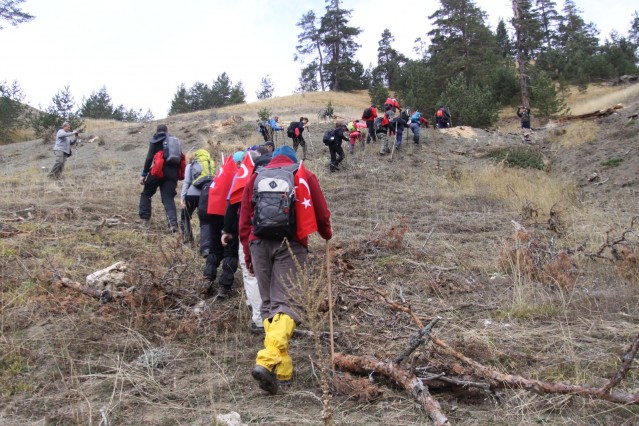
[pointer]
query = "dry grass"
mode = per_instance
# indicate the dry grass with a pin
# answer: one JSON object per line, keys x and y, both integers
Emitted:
{"x": 599, "y": 97}
{"x": 574, "y": 134}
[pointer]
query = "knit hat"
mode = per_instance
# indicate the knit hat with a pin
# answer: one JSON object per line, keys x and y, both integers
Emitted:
{"x": 238, "y": 156}
{"x": 287, "y": 151}
{"x": 269, "y": 143}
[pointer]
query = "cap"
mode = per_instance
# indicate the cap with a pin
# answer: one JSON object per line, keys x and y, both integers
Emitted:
{"x": 238, "y": 156}
{"x": 287, "y": 151}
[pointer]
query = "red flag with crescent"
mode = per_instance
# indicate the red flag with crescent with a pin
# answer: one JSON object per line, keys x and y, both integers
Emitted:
{"x": 220, "y": 187}
{"x": 304, "y": 208}
{"x": 241, "y": 178}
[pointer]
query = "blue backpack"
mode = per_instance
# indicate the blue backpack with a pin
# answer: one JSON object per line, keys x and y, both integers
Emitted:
{"x": 415, "y": 117}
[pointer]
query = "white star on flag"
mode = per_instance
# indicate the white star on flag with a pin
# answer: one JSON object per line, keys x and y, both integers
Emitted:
{"x": 306, "y": 203}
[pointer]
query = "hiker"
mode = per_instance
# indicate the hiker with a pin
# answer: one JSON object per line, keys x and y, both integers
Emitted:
{"x": 524, "y": 114}
{"x": 369, "y": 115}
{"x": 199, "y": 170}
{"x": 270, "y": 146}
{"x": 383, "y": 128}
{"x": 269, "y": 127}
{"x": 442, "y": 117}
{"x": 390, "y": 107}
{"x": 333, "y": 139}
{"x": 294, "y": 131}
{"x": 64, "y": 138}
{"x": 211, "y": 210}
{"x": 416, "y": 120}
{"x": 230, "y": 235}
{"x": 397, "y": 125}
{"x": 276, "y": 261}
{"x": 355, "y": 129}
{"x": 165, "y": 178}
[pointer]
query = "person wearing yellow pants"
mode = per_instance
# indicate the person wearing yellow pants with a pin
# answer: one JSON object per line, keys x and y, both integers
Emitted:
{"x": 275, "y": 262}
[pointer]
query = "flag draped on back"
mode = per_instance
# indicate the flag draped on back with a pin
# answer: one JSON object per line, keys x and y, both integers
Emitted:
{"x": 220, "y": 187}
{"x": 240, "y": 179}
{"x": 304, "y": 208}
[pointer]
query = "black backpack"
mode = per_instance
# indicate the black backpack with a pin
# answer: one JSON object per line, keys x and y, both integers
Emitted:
{"x": 290, "y": 132}
{"x": 274, "y": 201}
{"x": 368, "y": 113}
{"x": 328, "y": 138}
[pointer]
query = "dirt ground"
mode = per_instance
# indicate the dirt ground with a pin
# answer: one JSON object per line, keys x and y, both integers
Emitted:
{"x": 426, "y": 229}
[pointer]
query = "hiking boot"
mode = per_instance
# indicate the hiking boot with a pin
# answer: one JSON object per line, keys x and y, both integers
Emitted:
{"x": 254, "y": 328}
{"x": 204, "y": 253}
{"x": 223, "y": 292}
{"x": 387, "y": 150}
{"x": 265, "y": 379}
{"x": 397, "y": 147}
{"x": 210, "y": 290}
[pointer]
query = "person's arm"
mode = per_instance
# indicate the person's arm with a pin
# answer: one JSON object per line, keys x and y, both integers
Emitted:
{"x": 246, "y": 216}
{"x": 186, "y": 183}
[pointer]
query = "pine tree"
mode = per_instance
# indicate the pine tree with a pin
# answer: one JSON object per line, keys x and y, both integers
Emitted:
{"x": 11, "y": 13}
{"x": 503, "y": 40}
{"x": 338, "y": 41}
{"x": 549, "y": 19}
{"x": 310, "y": 42}
{"x": 98, "y": 105}
{"x": 389, "y": 60}
{"x": 62, "y": 108}
{"x": 12, "y": 111}
{"x": 180, "y": 103}
{"x": 461, "y": 41}
{"x": 266, "y": 90}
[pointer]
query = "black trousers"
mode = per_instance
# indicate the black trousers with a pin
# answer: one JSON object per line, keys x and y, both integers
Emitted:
{"x": 218, "y": 254}
{"x": 167, "y": 193}
{"x": 337, "y": 153}
{"x": 370, "y": 124}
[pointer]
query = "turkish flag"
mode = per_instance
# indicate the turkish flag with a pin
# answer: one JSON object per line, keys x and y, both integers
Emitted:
{"x": 241, "y": 178}
{"x": 304, "y": 209}
{"x": 220, "y": 187}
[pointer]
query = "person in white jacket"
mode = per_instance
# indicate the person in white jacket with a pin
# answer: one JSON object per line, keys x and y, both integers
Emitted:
{"x": 64, "y": 138}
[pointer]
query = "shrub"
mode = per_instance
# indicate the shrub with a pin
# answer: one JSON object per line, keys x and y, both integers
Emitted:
{"x": 522, "y": 157}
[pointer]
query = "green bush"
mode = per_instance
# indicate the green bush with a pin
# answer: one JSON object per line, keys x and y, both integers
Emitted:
{"x": 612, "y": 162}
{"x": 522, "y": 157}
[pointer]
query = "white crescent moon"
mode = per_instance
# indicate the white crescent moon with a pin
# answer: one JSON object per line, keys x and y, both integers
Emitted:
{"x": 244, "y": 170}
{"x": 303, "y": 182}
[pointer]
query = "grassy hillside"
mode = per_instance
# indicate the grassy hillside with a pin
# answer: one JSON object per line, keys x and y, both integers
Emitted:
{"x": 533, "y": 273}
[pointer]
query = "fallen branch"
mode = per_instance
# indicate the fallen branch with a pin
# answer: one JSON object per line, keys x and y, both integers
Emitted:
{"x": 412, "y": 384}
{"x": 416, "y": 340}
{"x": 103, "y": 296}
{"x": 626, "y": 362}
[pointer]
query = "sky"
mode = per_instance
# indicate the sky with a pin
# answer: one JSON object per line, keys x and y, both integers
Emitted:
{"x": 142, "y": 50}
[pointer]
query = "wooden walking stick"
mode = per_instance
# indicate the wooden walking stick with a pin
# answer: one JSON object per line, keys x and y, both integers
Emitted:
{"x": 330, "y": 303}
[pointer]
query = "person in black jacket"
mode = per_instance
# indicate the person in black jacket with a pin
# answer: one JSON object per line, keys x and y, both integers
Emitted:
{"x": 167, "y": 184}
{"x": 335, "y": 147}
{"x": 298, "y": 139}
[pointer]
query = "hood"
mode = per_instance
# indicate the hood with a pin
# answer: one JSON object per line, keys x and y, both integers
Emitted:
{"x": 158, "y": 137}
{"x": 262, "y": 160}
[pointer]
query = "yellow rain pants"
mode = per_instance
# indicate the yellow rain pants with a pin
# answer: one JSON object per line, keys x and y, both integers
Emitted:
{"x": 274, "y": 357}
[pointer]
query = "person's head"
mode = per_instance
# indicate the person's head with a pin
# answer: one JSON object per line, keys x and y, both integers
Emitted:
{"x": 254, "y": 154}
{"x": 276, "y": 118}
{"x": 373, "y": 106}
{"x": 66, "y": 126}
{"x": 270, "y": 146}
{"x": 238, "y": 157}
{"x": 263, "y": 150}
{"x": 286, "y": 151}
{"x": 189, "y": 156}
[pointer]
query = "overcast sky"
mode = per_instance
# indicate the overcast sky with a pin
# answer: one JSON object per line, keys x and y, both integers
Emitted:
{"x": 141, "y": 50}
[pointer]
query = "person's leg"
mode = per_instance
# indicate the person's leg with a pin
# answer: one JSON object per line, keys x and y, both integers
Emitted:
{"x": 58, "y": 165}
{"x": 340, "y": 153}
{"x": 150, "y": 187}
{"x": 167, "y": 193}
{"x": 262, "y": 268}
{"x": 400, "y": 134}
{"x": 216, "y": 250}
{"x": 303, "y": 143}
{"x": 253, "y": 299}
{"x": 333, "y": 152}
{"x": 191, "y": 203}
{"x": 229, "y": 266}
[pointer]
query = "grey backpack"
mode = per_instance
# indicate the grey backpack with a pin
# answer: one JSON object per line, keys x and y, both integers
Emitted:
{"x": 274, "y": 201}
{"x": 172, "y": 150}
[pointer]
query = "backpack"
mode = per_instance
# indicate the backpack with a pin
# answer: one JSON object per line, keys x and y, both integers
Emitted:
{"x": 350, "y": 126}
{"x": 440, "y": 113}
{"x": 172, "y": 150}
{"x": 201, "y": 168}
{"x": 368, "y": 113}
{"x": 377, "y": 124}
{"x": 404, "y": 115}
{"x": 262, "y": 126}
{"x": 274, "y": 201}
{"x": 328, "y": 138}
{"x": 415, "y": 117}
{"x": 290, "y": 132}
{"x": 525, "y": 116}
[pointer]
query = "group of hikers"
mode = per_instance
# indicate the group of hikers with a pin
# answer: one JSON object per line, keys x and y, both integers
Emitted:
{"x": 256, "y": 211}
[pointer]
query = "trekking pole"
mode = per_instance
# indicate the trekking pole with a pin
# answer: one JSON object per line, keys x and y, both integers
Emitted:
{"x": 330, "y": 303}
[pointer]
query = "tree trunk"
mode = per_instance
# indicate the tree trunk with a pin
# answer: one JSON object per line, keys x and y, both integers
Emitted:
{"x": 521, "y": 56}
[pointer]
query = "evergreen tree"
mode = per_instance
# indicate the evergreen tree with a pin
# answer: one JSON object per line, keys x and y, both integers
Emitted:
{"x": 389, "y": 60}
{"x": 633, "y": 34}
{"x": 12, "y": 111}
{"x": 267, "y": 88}
{"x": 237, "y": 95}
{"x": 62, "y": 108}
{"x": 470, "y": 104}
{"x": 549, "y": 20}
{"x": 310, "y": 42}
{"x": 528, "y": 32}
{"x": 461, "y": 41}
{"x": 546, "y": 99}
{"x": 180, "y": 103}
{"x": 98, "y": 105}
{"x": 416, "y": 86}
{"x": 12, "y": 14}
{"x": 338, "y": 40}
{"x": 503, "y": 40}
{"x": 200, "y": 97}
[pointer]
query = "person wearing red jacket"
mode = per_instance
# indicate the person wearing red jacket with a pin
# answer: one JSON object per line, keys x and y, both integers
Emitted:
{"x": 275, "y": 263}
{"x": 370, "y": 123}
